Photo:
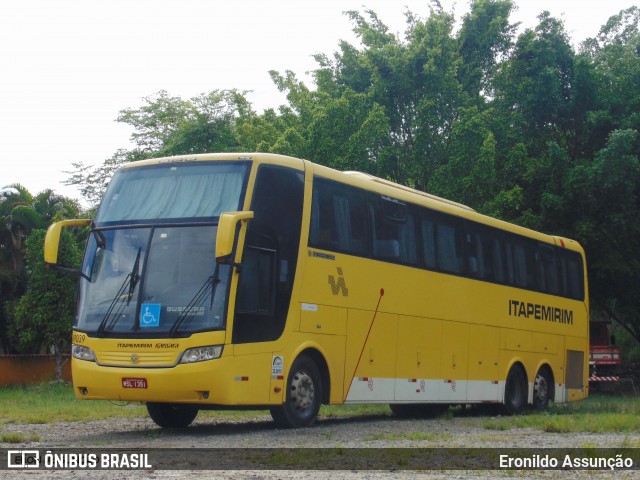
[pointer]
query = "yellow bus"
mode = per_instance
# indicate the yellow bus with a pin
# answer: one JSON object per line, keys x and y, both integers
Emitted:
{"x": 264, "y": 281}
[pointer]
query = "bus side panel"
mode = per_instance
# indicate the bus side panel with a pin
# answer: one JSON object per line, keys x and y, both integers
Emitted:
{"x": 454, "y": 361}
{"x": 370, "y": 356}
{"x": 484, "y": 358}
{"x": 418, "y": 359}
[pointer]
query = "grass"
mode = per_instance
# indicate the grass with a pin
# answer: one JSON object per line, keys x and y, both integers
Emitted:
{"x": 55, "y": 402}
{"x": 411, "y": 435}
{"x": 597, "y": 414}
{"x": 17, "y": 437}
{"x": 50, "y": 403}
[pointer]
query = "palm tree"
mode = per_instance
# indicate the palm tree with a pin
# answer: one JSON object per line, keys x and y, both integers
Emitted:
{"x": 20, "y": 213}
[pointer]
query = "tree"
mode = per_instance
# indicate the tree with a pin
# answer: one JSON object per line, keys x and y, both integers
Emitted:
{"x": 20, "y": 213}
{"x": 485, "y": 39}
{"x": 165, "y": 126}
{"x": 521, "y": 128}
{"x": 44, "y": 314}
{"x": 604, "y": 199}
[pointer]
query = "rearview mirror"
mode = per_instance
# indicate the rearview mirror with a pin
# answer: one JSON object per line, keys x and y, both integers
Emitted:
{"x": 52, "y": 239}
{"x": 226, "y": 235}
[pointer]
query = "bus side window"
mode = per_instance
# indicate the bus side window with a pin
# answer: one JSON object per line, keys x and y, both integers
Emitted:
{"x": 572, "y": 278}
{"x": 450, "y": 247}
{"x": 485, "y": 254}
{"x": 339, "y": 218}
{"x": 547, "y": 269}
{"x": 393, "y": 229}
{"x": 429, "y": 243}
{"x": 442, "y": 242}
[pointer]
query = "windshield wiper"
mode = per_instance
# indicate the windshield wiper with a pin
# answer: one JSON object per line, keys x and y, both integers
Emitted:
{"x": 188, "y": 313}
{"x": 134, "y": 276}
{"x": 114, "y": 301}
{"x": 130, "y": 281}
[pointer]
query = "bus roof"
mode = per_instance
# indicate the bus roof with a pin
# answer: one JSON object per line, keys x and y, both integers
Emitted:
{"x": 371, "y": 183}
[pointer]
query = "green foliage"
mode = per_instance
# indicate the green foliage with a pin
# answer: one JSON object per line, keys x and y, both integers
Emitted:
{"x": 20, "y": 214}
{"x": 518, "y": 126}
{"x": 44, "y": 314}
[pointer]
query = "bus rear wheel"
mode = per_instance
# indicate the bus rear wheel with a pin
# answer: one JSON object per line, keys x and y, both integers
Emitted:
{"x": 542, "y": 390}
{"x": 515, "y": 391}
{"x": 304, "y": 395}
{"x": 171, "y": 415}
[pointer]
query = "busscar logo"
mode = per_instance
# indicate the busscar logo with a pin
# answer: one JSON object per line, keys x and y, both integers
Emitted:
{"x": 23, "y": 459}
{"x": 339, "y": 286}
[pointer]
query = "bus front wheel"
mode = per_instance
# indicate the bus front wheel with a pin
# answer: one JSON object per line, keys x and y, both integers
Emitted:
{"x": 515, "y": 391}
{"x": 304, "y": 395}
{"x": 171, "y": 415}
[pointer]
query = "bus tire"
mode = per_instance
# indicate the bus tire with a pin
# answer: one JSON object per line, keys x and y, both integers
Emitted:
{"x": 304, "y": 395}
{"x": 171, "y": 415}
{"x": 418, "y": 410}
{"x": 542, "y": 390}
{"x": 515, "y": 391}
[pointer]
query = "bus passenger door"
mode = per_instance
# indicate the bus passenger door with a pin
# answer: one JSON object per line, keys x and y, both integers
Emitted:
{"x": 265, "y": 279}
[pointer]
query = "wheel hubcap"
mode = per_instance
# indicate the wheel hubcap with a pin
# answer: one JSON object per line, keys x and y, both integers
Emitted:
{"x": 302, "y": 391}
{"x": 541, "y": 390}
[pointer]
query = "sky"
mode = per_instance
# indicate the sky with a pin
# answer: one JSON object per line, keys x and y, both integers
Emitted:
{"x": 67, "y": 67}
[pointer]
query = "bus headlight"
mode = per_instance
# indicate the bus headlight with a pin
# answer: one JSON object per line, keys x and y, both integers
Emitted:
{"x": 201, "y": 354}
{"x": 83, "y": 353}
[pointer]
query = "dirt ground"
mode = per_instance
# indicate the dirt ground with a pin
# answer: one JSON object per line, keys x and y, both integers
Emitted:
{"x": 359, "y": 433}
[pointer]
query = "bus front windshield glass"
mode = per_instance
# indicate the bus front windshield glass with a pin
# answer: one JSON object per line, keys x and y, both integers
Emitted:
{"x": 173, "y": 191}
{"x": 152, "y": 282}
{"x": 149, "y": 268}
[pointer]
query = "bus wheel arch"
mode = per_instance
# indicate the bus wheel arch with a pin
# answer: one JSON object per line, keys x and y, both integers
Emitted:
{"x": 323, "y": 368}
{"x": 516, "y": 390}
{"x": 303, "y": 395}
{"x": 543, "y": 388}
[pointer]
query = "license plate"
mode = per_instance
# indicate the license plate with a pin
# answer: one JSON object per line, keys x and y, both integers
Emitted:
{"x": 134, "y": 383}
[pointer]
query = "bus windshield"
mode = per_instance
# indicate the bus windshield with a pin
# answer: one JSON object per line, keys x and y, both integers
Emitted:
{"x": 152, "y": 282}
{"x": 173, "y": 191}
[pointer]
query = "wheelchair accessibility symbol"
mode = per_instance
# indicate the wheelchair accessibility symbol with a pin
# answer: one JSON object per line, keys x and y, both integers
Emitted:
{"x": 150, "y": 315}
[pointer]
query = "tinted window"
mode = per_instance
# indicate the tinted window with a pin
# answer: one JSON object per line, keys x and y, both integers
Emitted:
{"x": 270, "y": 255}
{"x": 339, "y": 218}
{"x": 485, "y": 253}
{"x": 394, "y": 232}
{"x": 443, "y": 242}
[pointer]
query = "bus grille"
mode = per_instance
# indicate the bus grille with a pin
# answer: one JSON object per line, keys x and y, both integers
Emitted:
{"x": 138, "y": 359}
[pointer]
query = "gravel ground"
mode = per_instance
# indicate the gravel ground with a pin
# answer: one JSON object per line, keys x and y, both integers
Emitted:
{"x": 352, "y": 432}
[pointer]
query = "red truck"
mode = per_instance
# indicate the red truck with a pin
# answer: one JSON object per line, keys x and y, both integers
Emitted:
{"x": 604, "y": 357}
